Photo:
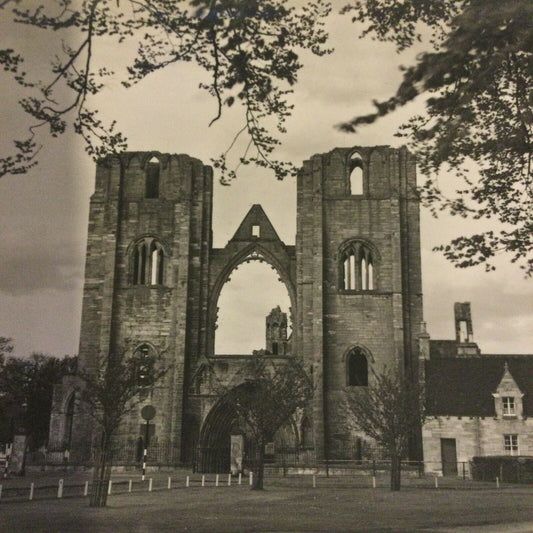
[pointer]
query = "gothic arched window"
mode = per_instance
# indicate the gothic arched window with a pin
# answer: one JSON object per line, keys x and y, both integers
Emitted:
{"x": 148, "y": 262}
{"x": 152, "y": 178}
{"x": 356, "y": 368}
{"x": 356, "y": 174}
{"x": 357, "y": 267}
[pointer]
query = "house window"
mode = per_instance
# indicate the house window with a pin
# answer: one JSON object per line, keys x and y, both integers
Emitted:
{"x": 510, "y": 444}
{"x": 356, "y": 368}
{"x": 356, "y": 175}
{"x": 256, "y": 230}
{"x": 152, "y": 178}
{"x": 357, "y": 268}
{"x": 509, "y": 406}
{"x": 147, "y": 262}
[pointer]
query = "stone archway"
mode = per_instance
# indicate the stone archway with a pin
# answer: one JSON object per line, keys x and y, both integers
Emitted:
{"x": 214, "y": 449}
{"x": 255, "y": 240}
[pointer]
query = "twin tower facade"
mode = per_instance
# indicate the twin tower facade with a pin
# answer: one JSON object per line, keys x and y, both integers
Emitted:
{"x": 153, "y": 279}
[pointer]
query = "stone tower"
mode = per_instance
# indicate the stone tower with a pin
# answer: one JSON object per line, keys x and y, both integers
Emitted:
{"x": 146, "y": 272}
{"x": 276, "y": 332}
{"x": 359, "y": 295}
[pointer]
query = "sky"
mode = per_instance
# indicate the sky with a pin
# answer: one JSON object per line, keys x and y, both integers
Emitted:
{"x": 43, "y": 214}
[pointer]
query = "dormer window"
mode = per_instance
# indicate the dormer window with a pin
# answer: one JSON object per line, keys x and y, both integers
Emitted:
{"x": 509, "y": 406}
{"x": 508, "y": 397}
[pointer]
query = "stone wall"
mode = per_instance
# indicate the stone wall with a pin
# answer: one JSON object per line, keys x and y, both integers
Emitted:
{"x": 474, "y": 436}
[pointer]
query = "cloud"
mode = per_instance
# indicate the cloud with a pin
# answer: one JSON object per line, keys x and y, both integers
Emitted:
{"x": 27, "y": 268}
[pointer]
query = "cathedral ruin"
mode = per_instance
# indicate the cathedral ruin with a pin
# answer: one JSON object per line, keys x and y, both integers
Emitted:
{"x": 153, "y": 277}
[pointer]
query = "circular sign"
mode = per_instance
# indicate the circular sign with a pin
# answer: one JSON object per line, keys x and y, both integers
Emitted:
{"x": 148, "y": 412}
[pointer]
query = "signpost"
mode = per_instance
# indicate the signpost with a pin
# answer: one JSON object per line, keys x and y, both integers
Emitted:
{"x": 148, "y": 413}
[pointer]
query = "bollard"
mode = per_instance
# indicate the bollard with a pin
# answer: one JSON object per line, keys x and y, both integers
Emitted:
{"x": 150, "y": 485}
{"x": 86, "y": 488}
{"x": 109, "y": 487}
{"x": 373, "y": 482}
{"x": 436, "y": 482}
{"x": 314, "y": 481}
{"x": 60, "y": 489}
{"x": 203, "y": 480}
{"x": 229, "y": 480}
{"x": 216, "y": 481}
{"x": 240, "y": 478}
{"x": 169, "y": 482}
{"x": 497, "y": 482}
{"x": 31, "y": 492}
{"x": 187, "y": 481}
{"x": 251, "y": 478}
{"x": 130, "y": 484}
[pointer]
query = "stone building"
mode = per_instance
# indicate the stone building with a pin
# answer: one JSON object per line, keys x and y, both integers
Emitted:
{"x": 153, "y": 279}
{"x": 477, "y": 404}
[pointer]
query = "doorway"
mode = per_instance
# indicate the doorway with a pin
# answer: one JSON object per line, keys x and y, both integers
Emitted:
{"x": 448, "y": 450}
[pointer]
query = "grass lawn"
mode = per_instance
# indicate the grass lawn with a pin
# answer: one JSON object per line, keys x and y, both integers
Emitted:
{"x": 282, "y": 508}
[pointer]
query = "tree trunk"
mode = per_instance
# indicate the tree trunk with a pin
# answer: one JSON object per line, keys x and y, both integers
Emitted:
{"x": 259, "y": 466}
{"x": 395, "y": 472}
{"x": 101, "y": 474}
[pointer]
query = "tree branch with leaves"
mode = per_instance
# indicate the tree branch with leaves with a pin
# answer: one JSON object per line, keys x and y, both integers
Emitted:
{"x": 249, "y": 49}
{"x": 390, "y": 410}
{"x": 107, "y": 392}
{"x": 478, "y": 124}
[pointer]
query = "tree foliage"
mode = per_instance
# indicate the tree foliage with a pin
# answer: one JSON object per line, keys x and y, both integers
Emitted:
{"x": 26, "y": 391}
{"x": 6, "y": 346}
{"x": 249, "y": 48}
{"x": 389, "y": 411}
{"x": 272, "y": 393}
{"x": 110, "y": 389}
{"x": 478, "y": 124}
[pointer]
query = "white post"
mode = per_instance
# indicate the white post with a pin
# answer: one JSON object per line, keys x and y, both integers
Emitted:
{"x": 251, "y": 478}
{"x": 314, "y": 481}
{"x": 436, "y": 482}
{"x": 31, "y": 491}
{"x": 169, "y": 483}
{"x": 86, "y": 488}
{"x": 373, "y": 482}
{"x": 229, "y": 480}
{"x": 240, "y": 478}
{"x": 109, "y": 487}
{"x": 187, "y": 481}
{"x": 203, "y": 480}
{"x": 150, "y": 485}
{"x": 60, "y": 489}
{"x": 216, "y": 481}
{"x": 145, "y": 454}
{"x": 130, "y": 484}
{"x": 497, "y": 482}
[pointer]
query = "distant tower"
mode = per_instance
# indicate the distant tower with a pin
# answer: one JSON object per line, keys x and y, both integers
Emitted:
{"x": 464, "y": 332}
{"x": 276, "y": 332}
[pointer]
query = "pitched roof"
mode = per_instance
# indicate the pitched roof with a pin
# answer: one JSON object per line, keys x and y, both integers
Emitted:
{"x": 463, "y": 386}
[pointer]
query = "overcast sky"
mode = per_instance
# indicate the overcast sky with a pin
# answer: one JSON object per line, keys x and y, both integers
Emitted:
{"x": 43, "y": 214}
